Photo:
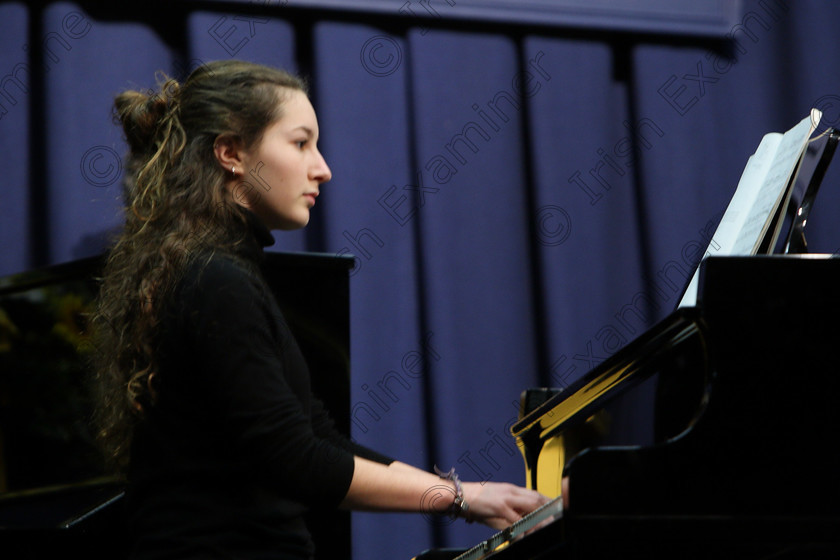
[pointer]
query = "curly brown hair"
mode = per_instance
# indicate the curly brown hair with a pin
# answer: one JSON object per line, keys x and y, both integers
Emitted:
{"x": 176, "y": 205}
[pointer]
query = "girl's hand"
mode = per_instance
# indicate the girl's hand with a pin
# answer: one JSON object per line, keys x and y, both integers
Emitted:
{"x": 499, "y": 504}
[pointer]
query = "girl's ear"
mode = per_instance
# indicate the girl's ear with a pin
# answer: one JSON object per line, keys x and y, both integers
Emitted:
{"x": 230, "y": 154}
{"x": 234, "y": 161}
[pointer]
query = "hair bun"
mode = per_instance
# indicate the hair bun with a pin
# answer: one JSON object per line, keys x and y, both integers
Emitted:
{"x": 140, "y": 114}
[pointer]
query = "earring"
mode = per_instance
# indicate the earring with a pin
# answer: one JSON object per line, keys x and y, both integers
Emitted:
{"x": 233, "y": 170}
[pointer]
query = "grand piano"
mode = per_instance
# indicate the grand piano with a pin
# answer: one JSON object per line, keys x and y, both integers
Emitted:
{"x": 743, "y": 462}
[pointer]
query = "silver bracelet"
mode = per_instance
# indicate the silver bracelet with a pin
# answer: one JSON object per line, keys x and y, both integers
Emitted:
{"x": 459, "y": 507}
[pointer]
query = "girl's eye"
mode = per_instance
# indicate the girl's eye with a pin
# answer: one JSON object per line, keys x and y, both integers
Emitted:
{"x": 301, "y": 144}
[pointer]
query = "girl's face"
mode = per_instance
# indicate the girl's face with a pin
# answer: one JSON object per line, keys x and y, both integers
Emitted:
{"x": 282, "y": 174}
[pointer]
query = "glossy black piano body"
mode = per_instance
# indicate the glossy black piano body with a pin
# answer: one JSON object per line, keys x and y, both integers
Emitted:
{"x": 754, "y": 469}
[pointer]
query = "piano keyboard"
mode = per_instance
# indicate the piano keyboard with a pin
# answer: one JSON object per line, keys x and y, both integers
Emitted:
{"x": 529, "y": 521}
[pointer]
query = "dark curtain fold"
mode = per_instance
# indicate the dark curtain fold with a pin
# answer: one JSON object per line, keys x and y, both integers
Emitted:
{"x": 521, "y": 203}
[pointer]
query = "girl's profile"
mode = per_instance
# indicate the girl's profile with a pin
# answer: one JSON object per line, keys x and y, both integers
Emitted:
{"x": 204, "y": 395}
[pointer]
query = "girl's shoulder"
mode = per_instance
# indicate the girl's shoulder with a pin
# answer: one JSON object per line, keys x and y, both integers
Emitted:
{"x": 213, "y": 274}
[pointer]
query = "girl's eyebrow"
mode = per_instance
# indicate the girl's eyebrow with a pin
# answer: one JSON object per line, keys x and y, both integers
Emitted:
{"x": 306, "y": 129}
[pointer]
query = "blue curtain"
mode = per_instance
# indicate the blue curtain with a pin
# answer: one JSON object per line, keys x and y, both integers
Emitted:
{"x": 520, "y": 202}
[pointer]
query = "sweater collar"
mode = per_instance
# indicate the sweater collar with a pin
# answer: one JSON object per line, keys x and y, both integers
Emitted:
{"x": 262, "y": 235}
{"x": 257, "y": 238}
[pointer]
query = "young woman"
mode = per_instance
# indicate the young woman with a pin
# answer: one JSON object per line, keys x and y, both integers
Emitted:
{"x": 205, "y": 397}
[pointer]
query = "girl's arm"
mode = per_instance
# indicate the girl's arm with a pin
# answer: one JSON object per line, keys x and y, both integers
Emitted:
{"x": 401, "y": 487}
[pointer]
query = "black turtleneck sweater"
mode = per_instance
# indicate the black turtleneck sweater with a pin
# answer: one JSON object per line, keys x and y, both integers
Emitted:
{"x": 235, "y": 448}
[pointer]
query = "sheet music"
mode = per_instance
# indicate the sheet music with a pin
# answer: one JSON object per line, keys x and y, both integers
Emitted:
{"x": 763, "y": 186}
{"x": 773, "y": 187}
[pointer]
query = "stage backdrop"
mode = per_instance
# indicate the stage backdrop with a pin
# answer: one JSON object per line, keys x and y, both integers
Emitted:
{"x": 522, "y": 196}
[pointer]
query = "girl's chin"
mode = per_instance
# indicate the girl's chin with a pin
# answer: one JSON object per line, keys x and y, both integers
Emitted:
{"x": 291, "y": 225}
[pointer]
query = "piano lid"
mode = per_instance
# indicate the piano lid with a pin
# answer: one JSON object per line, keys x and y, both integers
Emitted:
{"x": 635, "y": 363}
